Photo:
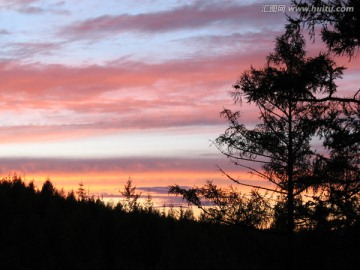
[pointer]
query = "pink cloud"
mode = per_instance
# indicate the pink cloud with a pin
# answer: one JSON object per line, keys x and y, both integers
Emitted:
{"x": 173, "y": 86}
{"x": 100, "y": 99}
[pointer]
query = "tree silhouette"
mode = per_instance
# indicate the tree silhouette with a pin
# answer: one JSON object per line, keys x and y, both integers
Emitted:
{"x": 47, "y": 189}
{"x": 278, "y": 149}
{"x": 148, "y": 204}
{"x": 281, "y": 143}
{"x": 131, "y": 197}
{"x": 339, "y": 29}
{"x": 81, "y": 192}
{"x": 339, "y": 171}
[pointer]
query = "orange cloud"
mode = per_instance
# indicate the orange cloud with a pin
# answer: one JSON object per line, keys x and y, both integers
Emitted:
{"x": 106, "y": 175}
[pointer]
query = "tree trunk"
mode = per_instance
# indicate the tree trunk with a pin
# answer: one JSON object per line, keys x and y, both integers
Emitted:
{"x": 290, "y": 194}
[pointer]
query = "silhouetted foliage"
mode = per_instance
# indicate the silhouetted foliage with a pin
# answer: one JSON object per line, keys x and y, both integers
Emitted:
{"x": 339, "y": 29}
{"x": 131, "y": 197}
{"x": 81, "y": 192}
{"x": 338, "y": 172}
{"x": 47, "y": 189}
{"x": 278, "y": 149}
{"x": 227, "y": 206}
{"x": 148, "y": 205}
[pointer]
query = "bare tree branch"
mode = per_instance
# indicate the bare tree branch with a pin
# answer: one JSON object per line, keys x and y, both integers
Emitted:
{"x": 248, "y": 185}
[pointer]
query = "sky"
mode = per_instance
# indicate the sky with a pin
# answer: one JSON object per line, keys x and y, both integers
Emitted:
{"x": 98, "y": 91}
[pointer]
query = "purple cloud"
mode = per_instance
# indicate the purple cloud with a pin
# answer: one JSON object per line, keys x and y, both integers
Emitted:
{"x": 195, "y": 15}
{"x": 30, "y": 49}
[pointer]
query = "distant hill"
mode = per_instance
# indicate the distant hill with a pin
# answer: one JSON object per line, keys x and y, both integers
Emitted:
{"x": 48, "y": 229}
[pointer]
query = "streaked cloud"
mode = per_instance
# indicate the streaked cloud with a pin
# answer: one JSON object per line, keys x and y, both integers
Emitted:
{"x": 32, "y": 49}
{"x": 89, "y": 165}
{"x": 119, "y": 95}
{"x": 198, "y": 14}
{"x": 4, "y": 32}
{"x": 33, "y": 7}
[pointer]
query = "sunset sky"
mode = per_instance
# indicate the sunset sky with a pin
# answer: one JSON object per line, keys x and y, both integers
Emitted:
{"x": 97, "y": 91}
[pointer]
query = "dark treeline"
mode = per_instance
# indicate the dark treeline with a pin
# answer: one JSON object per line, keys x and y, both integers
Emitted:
{"x": 48, "y": 229}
